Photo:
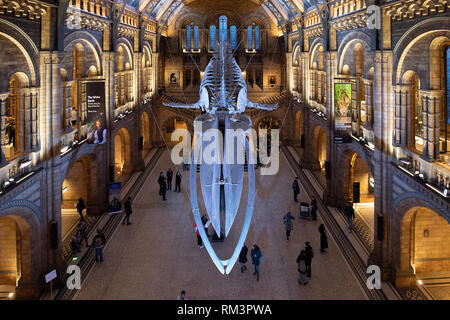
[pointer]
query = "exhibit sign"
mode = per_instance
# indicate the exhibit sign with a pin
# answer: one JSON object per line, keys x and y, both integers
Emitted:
{"x": 114, "y": 204}
{"x": 342, "y": 112}
{"x": 96, "y": 113}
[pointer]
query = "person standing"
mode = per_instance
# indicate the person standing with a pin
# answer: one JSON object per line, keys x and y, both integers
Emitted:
{"x": 206, "y": 223}
{"x": 350, "y": 214}
{"x": 80, "y": 208}
{"x": 256, "y": 255}
{"x": 199, "y": 238}
{"x": 178, "y": 182}
{"x": 323, "y": 238}
{"x": 99, "y": 243}
{"x": 243, "y": 258}
{"x": 182, "y": 296}
{"x": 309, "y": 255}
{"x": 287, "y": 220}
{"x": 83, "y": 233}
{"x": 128, "y": 211}
{"x": 169, "y": 176}
{"x": 301, "y": 260}
{"x": 162, "y": 186}
{"x": 296, "y": 189}
{"x": 313, "y": 208}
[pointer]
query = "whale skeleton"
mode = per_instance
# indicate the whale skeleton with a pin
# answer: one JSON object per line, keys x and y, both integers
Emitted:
{"x": 223, "y": 98}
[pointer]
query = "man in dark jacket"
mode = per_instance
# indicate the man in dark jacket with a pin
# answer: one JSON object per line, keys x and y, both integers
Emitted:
{"x": 169, "y": 176}
{"x": 80, "y": 208}
{"x": 99, "y": 243}
{"x": 313, "y": 208}
{"x": 309, "y": 254}
{"x": 162, "y": 186}
{"x": 256, "y": 255}
{"x": 128, "y": 210}
{"x": 350, "y": 214}
{"x": 178, "y": 182}
{"x": 296, "y": 189}
{"x": 243, "y": 258}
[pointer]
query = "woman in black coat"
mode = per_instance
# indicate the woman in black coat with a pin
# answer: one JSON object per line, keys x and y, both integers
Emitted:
{"x": 243, "y": 258}
{"x": 323, "y": 238}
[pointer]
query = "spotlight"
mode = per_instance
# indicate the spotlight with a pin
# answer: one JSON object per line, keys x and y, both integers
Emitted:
{"x": 420, "y": 282}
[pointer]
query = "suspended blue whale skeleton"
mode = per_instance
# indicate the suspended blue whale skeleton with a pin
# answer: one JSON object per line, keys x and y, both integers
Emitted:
{"x": 223, "y": 97}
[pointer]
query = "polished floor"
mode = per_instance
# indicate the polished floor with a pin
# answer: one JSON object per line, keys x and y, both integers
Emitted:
{"x": 157, "y": 255}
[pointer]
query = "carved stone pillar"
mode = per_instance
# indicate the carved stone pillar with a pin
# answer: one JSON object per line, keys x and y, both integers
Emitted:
{"x": 2, "y": 129}
{"x": 34, "y": 121}
{"x": 402, "y": 103}
{"x": 368, "y": 90}
{"x": 431, "y": 106}
{"x": 27, "y": 101}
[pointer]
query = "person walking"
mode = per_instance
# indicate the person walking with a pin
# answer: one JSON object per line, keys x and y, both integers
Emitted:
{"x": 243, "y": 258}
{"x": 74, "y": 246}
{"x": 313, "y": 208}
{"x": 182, "y": 296}
{"x": 206, "y": 223}
{"x": 83, "y": 233}
{"x": 199, "y": 238}
{"x": 80, "y": 208}
{"x": 350, "y": 214}
{"x": 301, "y": 260}
{"x": 309, "y": 255}
{"x": 323, "y": 238}
{"x": 287, "y": 220}
{"x": 128, "y": 211}
{"x": 99, "y": 243}
{"x": 162, "y": 186}
{"x": 296, "y": 189}
{"x": 169, "y": 176}
{"x": 256, "y": 255}
{"x": 178, "y": 182}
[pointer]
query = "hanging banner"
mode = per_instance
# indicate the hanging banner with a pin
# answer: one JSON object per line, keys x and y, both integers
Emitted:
{"x": 96, "y": 114}
{"x": 115, "y": 189}
{"x": 342, "y": 112}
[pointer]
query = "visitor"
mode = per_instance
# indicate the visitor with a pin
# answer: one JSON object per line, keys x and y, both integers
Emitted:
{"x": 199, "y": 238}
{"x": 74, "y": 246}
{"x": 83, "y": 233}
{"x": 206, "y": 223}
{"x": 178, "y": 182}
{"x": 323, "y": 238}
{"x": 80, "y": 208}
{"x": 350, "y": 214}
{"x": 99, "y": 243}
{"x": 243, "y": 258}
{"x": 296, "y": 189}
{"x": 169, "y": 176}
{"x": 256, "y": 255}
{"x": 162, "y": 186}
{"x": 128, "y": 211}
{"x": 182, "y": 296}
{"x": 313, "y": 208}
{"x": 287, "y": 220}
{"x": 301, "y": 260}
{"x": 309, "y": 255}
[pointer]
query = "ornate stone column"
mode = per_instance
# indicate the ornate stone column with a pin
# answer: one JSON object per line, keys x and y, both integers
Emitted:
{"x": 402, "y": 105}
{"x": 3, "y": 129}
{"x": 27, "y": 98}
{"x": 368, "y": 90}
{"x": 431, "y": 106}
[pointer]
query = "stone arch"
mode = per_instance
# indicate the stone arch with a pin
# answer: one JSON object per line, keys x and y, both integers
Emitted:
{"x": 437, "y": 62}
{"x": 30, "y": 248}
{"x": 122, "y": 155}
{"x": 128, "y": 49}
{"x": 92, "y": 49}
{"x": 346, "y": 52}
{"x": 319, "y": 148}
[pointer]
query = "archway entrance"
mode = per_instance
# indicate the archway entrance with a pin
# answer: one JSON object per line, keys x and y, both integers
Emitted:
{"x": 122, "y": 162}
{"x": 361, "y": 174}
{"x": 319, "y": 154}
{"x": 424, "y": 249}
{"x": 170, "y": 126}
{"x": 80, "y": 182}
{"x": 145, "y": 133}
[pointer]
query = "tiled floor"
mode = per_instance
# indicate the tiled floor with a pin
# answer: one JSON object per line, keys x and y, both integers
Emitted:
{"x": 157, "y": 256}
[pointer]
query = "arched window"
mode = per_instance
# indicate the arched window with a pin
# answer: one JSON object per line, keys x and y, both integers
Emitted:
{"x": 196, "y": 38}
{"x": 223, "y": 28}
{"x": 212, "y": 38}
{"x": 233, "y": 37}
{"x": 257, "y": 39}
{"x": 188, "y": 38}
{"x": 250, "y": 38}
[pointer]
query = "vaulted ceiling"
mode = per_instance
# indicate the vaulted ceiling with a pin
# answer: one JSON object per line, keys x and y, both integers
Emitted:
{"x": 281, "y": 11}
